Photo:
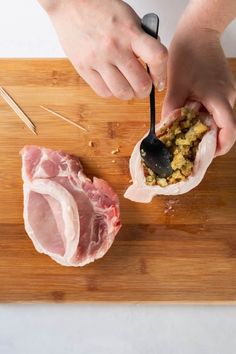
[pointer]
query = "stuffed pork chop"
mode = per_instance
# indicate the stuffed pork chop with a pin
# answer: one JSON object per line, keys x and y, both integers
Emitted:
{"x": 191, "y": 137}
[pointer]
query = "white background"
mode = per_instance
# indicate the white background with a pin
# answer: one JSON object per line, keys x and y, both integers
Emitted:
{"x": 25, "y": 31}
{"x": 77, "y": 329}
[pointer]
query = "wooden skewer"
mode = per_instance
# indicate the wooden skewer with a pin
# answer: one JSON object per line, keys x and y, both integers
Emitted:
{"x": 14, "y": 106}
{"x": 64, "y": 118}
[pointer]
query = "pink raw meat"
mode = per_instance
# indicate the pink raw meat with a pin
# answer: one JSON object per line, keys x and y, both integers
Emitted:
{"x": 139, "y": 191}
{"x": 67, "y": 216}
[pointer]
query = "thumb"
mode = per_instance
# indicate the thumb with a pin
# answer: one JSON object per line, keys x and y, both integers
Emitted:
{"x": 176, "y": 97}
{"x": 225, "y": 120}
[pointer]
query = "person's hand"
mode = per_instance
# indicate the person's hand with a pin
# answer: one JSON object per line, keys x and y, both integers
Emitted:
{"x": 198, "y": 70}
{"x": 103, "y": 40}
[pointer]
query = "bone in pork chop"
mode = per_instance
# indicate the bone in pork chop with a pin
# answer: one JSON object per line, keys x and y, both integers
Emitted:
{"x": 66, "y": 215}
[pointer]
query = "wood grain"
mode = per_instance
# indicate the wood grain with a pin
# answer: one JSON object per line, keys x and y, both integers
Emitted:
{"x": 186, "y": 254}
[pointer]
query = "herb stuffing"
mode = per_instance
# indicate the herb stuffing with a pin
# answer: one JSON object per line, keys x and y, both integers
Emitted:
{"x": 182, "y": 138}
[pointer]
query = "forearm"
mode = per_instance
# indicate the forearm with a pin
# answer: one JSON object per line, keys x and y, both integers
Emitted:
{"x": 208, "y": 14}
{"x": 51, "y": 5}
{"x": 48, "y": 5}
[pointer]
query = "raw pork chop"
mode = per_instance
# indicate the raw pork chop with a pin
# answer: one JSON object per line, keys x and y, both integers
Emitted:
{"x": 67, "y": 216}
{"x": 139, "y": 191}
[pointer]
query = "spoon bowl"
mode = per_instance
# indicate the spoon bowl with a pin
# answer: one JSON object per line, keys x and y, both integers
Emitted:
{"x": 156, "y": 156}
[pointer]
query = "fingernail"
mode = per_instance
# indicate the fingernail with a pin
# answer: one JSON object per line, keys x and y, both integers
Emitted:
{"x": 161, "y": 84}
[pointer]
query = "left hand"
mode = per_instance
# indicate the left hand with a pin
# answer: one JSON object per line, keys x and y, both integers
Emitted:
{"x": 198, "y": 70}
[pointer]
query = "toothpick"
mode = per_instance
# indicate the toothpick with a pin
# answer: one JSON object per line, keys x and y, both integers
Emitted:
{"x": 16, "y": 108}
{"x": 64, "y": 118}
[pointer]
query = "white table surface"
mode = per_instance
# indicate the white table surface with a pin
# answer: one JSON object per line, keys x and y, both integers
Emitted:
{"x": 77, "y": 329}
{"x": 25, "y": 31}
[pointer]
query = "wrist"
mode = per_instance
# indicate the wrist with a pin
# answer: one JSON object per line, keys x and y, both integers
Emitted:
{"x": 193, "y": 25}
{"x": 52, "y": 6}
{"x": 193, "y": 38}
{"x": 197, "y": 32}
{"x": 209, "y": 16}
{"x": 49, "y": 5}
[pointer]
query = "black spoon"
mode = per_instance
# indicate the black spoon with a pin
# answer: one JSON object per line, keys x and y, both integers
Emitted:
{"x": 154, "y": 153}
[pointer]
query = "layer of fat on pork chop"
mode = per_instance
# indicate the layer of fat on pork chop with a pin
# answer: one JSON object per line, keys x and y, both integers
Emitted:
{"x": 67, "y": 216}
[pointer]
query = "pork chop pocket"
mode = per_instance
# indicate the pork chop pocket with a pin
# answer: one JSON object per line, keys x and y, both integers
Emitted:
{"x": 191, "y": 136}
{"x": 182, "y": 138}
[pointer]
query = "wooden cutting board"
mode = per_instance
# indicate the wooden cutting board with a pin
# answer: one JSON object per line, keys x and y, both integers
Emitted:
{"x": 175, "y": 249}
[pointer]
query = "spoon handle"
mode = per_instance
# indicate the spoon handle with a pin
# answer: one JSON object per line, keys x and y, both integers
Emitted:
{"x": 150, "y": 24}
{"x": 152, "y": 109}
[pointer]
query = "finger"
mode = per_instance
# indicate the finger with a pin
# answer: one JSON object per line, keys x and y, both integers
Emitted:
{"x": 176, "y": 97}
{"x": 225, "y": 119}
{"x": 116, "y": 82}
{"x": 94, "y": 79}
{"x": 153, "y": 53}
{"x": 136, "y": 75}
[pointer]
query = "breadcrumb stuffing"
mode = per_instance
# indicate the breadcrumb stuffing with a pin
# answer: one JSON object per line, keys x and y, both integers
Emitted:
{"x": 116, "y": 151}
{"x": 182, "y": 138}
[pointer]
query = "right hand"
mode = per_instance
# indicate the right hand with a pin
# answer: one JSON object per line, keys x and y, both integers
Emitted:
{"x": 103, "y": 40}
